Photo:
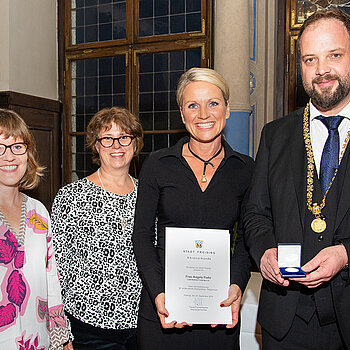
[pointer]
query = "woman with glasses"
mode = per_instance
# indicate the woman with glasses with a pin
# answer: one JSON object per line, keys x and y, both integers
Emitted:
{"x": 31, "y": 312}
{"x": 93, "y": 220}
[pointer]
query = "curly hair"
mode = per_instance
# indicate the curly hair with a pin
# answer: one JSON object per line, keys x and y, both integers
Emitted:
{"x": 103, "y": 120}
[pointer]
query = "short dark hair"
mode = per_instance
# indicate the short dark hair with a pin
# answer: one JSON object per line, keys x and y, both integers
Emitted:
{"x": 103, "y": 120}
{"x": 336, "y": 14}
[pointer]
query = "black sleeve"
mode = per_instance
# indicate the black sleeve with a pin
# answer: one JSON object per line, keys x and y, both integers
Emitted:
{"x": 143, "y": 239}
{"x": 258, "y": 223}
{"x": 240, "y": 262}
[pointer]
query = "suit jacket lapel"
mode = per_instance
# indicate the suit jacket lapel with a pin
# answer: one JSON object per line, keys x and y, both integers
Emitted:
{"x": 344, "y": 202}
{"x": 298, "y": 164}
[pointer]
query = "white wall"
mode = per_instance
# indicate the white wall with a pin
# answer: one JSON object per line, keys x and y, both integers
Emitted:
{"x": 4, "y": 44}
{"x": 28, "y": 55}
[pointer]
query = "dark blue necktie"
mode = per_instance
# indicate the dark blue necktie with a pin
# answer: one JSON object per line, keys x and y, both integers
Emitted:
{"x": 330, "y": 154}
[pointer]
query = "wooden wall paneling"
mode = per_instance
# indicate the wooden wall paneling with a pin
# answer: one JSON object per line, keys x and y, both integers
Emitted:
{"x": 43, "y": 117}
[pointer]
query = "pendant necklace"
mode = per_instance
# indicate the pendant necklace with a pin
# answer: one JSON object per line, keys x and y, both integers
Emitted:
{"x": 205, "y": 162}
{"x": 124, "y": 222}
{"x": 318, "y": 224}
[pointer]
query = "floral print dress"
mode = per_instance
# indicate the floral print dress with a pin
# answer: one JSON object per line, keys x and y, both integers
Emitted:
{"x": 31, "y": 313}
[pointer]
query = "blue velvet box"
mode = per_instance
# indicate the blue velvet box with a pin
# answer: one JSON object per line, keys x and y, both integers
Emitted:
{"x": 289, "y": 258}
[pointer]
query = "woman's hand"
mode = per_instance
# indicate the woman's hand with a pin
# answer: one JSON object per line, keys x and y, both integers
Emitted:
{"x": 68, "y": 346}
{"x": 163, "y": 312}
{"x": 233, "y": 300}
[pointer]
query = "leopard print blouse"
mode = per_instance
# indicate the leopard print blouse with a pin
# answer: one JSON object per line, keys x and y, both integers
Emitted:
{"x": 92, "y": 231}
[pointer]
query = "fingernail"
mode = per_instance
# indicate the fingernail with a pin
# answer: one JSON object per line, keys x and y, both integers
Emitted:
{"x": 222, "y": 305}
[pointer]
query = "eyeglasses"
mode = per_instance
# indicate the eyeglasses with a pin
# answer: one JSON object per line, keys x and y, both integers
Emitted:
{"x": 16, "y": 148}
{"x": 124, "y": 140}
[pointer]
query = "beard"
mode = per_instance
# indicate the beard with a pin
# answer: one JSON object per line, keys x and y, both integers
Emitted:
{"x": 326, "y": 99}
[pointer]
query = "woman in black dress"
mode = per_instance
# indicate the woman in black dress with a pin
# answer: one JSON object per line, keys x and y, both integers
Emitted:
{"x": 178, "y": 189}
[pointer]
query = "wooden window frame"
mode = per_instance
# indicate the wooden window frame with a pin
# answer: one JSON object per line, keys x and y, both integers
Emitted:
{"x": 132, "y": 47}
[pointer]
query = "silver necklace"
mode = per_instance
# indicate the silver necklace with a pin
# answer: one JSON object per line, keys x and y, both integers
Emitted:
{"x": 99, "y": 177}
{"x": 124, "y": 222}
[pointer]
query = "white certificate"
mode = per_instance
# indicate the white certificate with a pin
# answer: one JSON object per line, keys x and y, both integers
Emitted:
{"x": 197, "y": 275}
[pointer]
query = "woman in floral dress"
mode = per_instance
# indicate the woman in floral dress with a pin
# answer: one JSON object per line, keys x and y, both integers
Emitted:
{"x": 31, "y": 314}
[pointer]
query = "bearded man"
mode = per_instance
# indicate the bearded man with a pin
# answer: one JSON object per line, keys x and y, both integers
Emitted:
{"x": 300, "y": 194}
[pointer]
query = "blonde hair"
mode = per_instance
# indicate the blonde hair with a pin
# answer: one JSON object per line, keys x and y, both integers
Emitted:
{"x": 11, "y": 124}
{"x": 103, "y": 120}
{"x": 202, "y": 74}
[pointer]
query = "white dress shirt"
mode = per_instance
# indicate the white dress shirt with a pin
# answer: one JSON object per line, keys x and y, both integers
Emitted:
{"x": 319, "y": 132}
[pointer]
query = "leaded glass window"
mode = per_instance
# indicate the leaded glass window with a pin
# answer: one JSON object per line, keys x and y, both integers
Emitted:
{"x": 129, "y": 53}
{"x": 160, "y": 17}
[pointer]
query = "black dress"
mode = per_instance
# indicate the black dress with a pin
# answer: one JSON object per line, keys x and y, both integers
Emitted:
{"x": 170, "y": 194}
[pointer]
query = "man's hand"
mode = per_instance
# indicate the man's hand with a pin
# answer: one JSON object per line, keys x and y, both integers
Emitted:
{"x": 325, "y": 265}
{"x": 269, "y": 268}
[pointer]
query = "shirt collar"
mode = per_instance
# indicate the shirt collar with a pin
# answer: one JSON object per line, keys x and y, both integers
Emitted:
{"x": 314, "y": 112}
{"x": 176, "y": 150}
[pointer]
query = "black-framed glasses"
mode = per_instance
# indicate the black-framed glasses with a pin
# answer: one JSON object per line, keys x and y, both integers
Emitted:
{"x": 17, "y": 149}
{"x": 124, "y": 140}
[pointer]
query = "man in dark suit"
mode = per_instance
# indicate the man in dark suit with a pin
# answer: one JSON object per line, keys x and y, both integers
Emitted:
{"x": 300, "y": 193}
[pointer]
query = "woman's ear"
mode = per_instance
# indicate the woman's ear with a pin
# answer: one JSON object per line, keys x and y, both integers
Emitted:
{"x": 228, "y": 110}
{"x": 182, "y": 115}
{"x": 97, "y": 146}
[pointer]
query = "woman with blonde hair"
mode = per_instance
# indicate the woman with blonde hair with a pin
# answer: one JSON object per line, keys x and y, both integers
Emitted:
{"x": 31, "y": 313}
{"x": 198, "y": 183}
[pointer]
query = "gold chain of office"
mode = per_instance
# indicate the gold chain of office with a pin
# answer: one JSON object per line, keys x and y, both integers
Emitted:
{"x": 318, "y": 225}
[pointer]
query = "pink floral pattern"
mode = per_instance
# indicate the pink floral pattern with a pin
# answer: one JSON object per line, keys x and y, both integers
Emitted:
{"x": 38, "y": 223}
{"x": 49, "y": 253}
{"x": 8, "y": 248}
{"x": 57, "y": 318}
{"x": 7, "y": 314}
{"x": 43, "y": 312}
{"x": 25, "y": 344}
{"x": 14, "y": 286}
{"x": 29, "y": 277}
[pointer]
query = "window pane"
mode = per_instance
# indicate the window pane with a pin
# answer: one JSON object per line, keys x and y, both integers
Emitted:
{"x": 164, "y": 17}
{"x": 93, "y": 22}
{"x": 92, "y": 88}
{"x": 100, "y": 82}
{"x": 158, "y": 77}
{"x": 81, "y": 158}
{"x": 96, "y": 83}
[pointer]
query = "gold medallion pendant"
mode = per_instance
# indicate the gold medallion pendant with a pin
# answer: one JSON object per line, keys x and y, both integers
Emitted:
{"x": 318, "y": 225}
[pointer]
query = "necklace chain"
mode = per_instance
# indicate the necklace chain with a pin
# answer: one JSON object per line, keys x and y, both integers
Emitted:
{"x": 99, "y": 177}
{"x": 315, "y": 208}
{"x": 123, "y": 221}
{"x": 205, "y": 162}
